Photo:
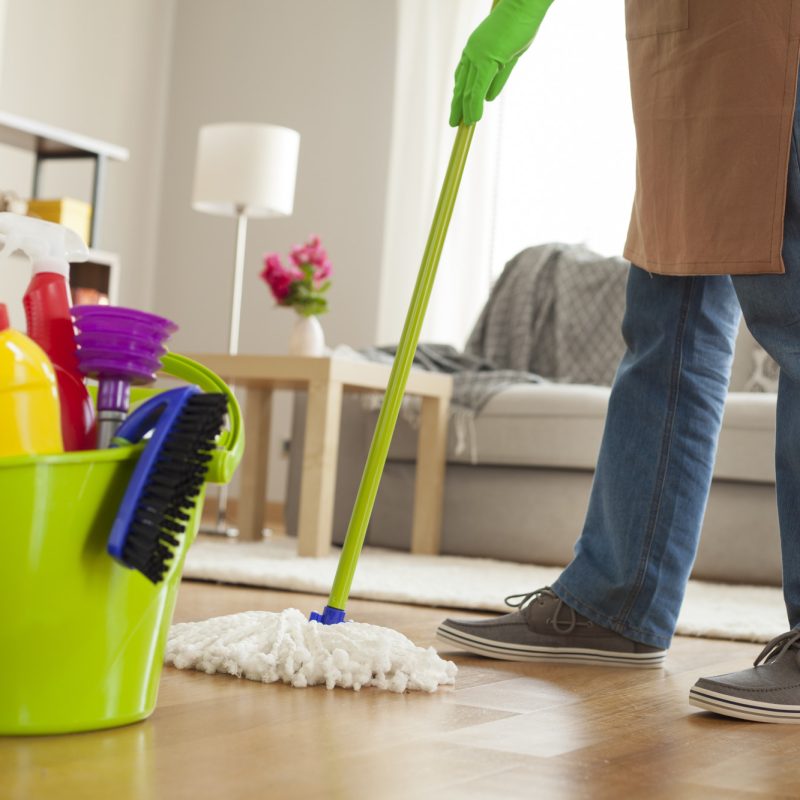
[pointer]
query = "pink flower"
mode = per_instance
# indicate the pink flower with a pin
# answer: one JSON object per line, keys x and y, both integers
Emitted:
{"x": 323, "y": 271}
{"x": 304, "y": 282}
{"x": 272, "y": 263}
{"x": 277, "y": 277}
{"x": 298, "y": 254}
{"x": 281, "y": 286}
{"x": 312, "y": 252}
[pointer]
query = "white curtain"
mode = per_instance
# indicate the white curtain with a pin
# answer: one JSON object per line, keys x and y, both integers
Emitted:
{"x": 553, "y": 158}
{"x": 567, "y": 144}
{"x": 431, "y": 36}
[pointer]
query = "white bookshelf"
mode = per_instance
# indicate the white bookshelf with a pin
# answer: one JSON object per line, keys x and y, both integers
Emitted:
{"x": 48, "y": 143}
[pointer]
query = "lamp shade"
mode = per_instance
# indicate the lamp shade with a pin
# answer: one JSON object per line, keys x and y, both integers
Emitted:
{"x": 245, "y": 168}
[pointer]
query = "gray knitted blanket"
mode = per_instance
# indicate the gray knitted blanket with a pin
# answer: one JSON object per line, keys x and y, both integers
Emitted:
{"x": 554, "y": 314}
{"x": 556, "y": 310}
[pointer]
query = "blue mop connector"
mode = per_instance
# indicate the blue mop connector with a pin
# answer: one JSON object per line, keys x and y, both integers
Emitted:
{"x": 329, "y": 616}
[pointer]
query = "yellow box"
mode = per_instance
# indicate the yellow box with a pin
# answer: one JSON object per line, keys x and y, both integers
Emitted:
{"x": 66, "y": 211}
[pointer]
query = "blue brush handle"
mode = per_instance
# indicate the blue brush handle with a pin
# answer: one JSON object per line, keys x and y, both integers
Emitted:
{"x": 158, "y": 415}
{"x": 144, "y": 418}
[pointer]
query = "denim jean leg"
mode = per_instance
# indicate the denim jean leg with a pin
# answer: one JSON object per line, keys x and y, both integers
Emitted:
{"x": 650, "y": 488}
{"x": 771, "y": 307}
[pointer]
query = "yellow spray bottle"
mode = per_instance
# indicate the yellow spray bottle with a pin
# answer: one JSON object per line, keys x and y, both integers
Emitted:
{"x": 30, "y": 415}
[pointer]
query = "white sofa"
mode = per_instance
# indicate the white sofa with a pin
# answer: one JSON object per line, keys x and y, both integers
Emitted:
{"x": 525, "y": 499}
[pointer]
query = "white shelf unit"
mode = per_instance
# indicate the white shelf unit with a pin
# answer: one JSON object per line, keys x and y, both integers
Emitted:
{"x": 48, "y": 143}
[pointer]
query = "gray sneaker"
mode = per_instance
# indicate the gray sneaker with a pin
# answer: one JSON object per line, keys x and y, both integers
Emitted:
{"x": 545, "y": 628}
{"x": 769, "y": 692}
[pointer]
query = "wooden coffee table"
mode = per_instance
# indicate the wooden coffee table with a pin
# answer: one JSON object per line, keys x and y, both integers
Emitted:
{"x": 325, "y": 379}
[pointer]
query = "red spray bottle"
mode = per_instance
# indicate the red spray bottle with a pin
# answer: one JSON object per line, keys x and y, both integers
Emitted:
{"x": 50, "y": 248}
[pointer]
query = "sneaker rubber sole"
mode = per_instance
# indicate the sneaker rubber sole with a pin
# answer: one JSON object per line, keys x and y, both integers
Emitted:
{"x": 559, "y": 655}
{"x": 742, "y": 708}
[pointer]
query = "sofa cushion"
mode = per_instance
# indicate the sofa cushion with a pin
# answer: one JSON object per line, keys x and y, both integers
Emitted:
{"x": 747, "y": 440}
{"x": 561, "y": 425}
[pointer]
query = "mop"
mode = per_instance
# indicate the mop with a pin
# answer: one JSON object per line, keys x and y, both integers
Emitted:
{"x": 325, "y": 649}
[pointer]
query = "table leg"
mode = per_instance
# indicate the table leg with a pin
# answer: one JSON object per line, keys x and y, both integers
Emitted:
{"x": 429, "y": 486}
{"x": 318, "y": 485}
{"x": 253, "y": 488}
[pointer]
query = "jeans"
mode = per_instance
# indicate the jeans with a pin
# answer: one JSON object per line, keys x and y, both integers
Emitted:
{"x": 653, "y": 476}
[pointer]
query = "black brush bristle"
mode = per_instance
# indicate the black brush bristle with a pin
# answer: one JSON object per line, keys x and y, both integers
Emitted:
{"x": 172, "y": 487}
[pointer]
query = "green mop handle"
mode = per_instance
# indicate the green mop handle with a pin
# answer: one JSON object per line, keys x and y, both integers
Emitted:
{"x": 390, "y": 408}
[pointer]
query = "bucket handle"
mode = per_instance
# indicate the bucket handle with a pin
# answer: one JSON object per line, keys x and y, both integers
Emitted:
{"x": 231, "y": 442}
{"x": 230, "y": 445}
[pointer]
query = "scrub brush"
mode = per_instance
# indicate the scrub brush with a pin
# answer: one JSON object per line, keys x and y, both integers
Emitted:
{"x": 168, "y": 476}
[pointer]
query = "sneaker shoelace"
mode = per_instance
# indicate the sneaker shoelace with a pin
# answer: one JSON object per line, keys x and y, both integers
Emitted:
{"x": 522, "y": 601}
{"x": 777, "y": 647}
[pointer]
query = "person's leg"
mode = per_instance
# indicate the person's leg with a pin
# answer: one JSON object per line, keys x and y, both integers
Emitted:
{"x": 770, "y": 691}
{"x": 653, "y": 475}
{"x": 618, "y": 600}
{"x": 771, "y": 307}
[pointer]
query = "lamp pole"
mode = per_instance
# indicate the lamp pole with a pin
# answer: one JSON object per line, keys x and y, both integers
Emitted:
{"x": 221, "y": 527}
{"x": 238, "y": 275}
{"x": 243, "y": 169}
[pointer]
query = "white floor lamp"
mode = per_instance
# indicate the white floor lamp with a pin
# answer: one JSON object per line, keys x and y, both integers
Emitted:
{"x": 243, "y": 170}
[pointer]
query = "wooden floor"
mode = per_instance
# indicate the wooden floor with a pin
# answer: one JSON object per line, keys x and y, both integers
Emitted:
{"x": 505, "y": 731}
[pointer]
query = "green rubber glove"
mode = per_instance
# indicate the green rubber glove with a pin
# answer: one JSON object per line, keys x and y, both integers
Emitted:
{"x": 491, "y": 53}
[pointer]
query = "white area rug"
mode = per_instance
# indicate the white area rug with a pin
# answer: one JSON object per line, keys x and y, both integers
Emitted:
{"x": 722, "y": 611}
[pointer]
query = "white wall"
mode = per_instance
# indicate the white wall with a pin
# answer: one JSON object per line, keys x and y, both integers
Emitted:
{"x": 98, "y": 68}
{"x": 326, "y": 70}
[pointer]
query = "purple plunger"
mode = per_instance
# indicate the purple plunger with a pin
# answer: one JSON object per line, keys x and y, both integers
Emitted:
{"x": 120, "y": 348}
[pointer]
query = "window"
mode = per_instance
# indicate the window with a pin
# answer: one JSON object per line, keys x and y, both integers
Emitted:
{"x": 566, "y": 145}
{"x": 552, "y": 160}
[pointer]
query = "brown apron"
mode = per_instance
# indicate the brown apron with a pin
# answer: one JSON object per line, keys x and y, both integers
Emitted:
{"x": 713, "y": 86}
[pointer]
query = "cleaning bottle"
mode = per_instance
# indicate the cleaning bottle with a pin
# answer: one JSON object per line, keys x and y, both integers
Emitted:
{"x": 50, "y": 248}
{"x": 30, "y": 416}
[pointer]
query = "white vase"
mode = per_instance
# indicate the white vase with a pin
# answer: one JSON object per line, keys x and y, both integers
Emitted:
{"x": 307, "y": 337}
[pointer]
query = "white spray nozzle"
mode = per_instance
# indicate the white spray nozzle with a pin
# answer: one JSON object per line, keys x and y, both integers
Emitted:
{"x": 48, "y": 245}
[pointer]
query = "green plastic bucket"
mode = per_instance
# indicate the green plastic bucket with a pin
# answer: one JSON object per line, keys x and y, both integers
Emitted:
{"x": 83, "y": 637}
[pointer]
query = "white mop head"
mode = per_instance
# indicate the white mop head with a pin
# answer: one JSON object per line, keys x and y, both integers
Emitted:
{"x": 268, "y": 647}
